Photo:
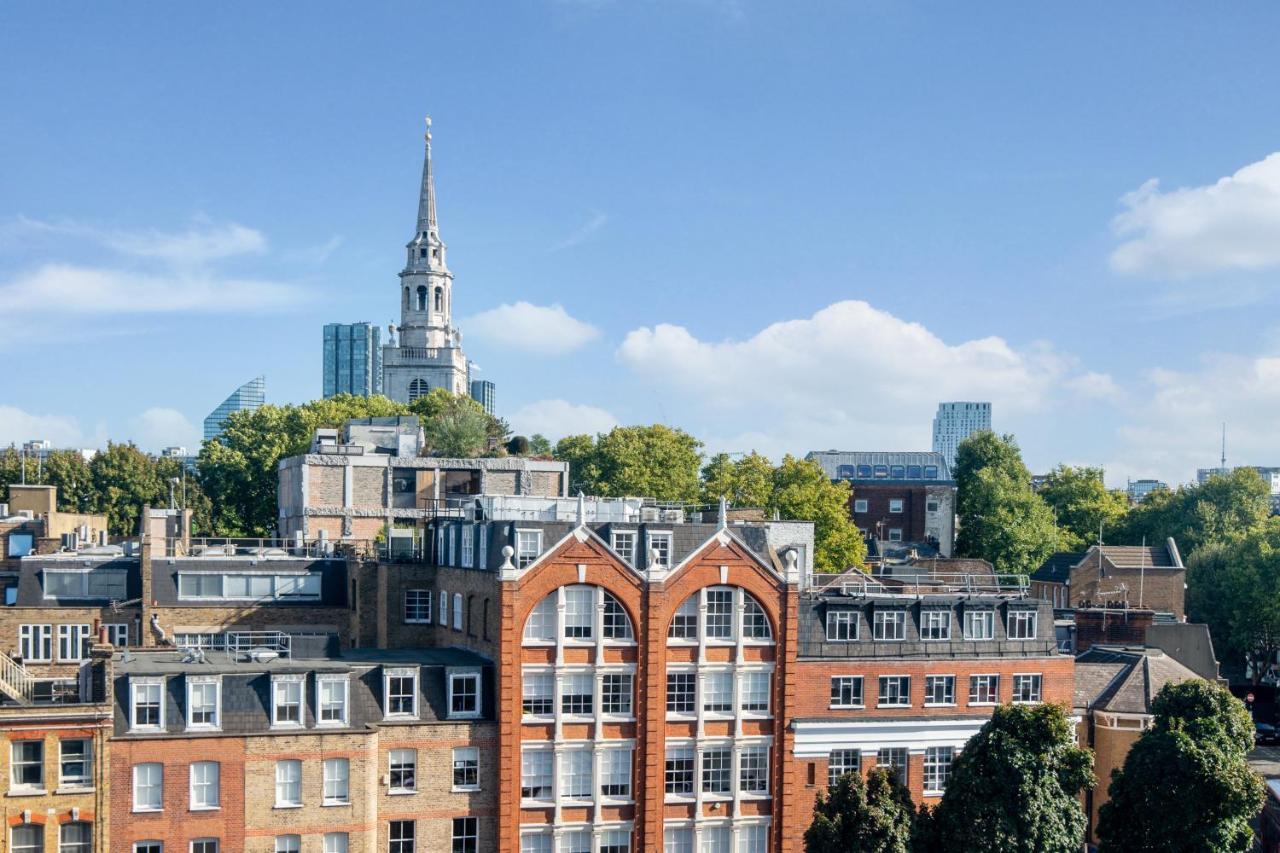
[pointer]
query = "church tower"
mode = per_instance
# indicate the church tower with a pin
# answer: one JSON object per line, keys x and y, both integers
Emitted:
{"x": 428, "y": 353}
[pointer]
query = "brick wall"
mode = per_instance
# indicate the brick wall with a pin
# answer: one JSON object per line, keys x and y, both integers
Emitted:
{"x": 52, "y": 806}
{"x": 911, "y": 520}
{"x": 1111, "y": 627}
{"x": 12, "y": 618}
{"x": 325, "y": 485}
{"x": 382, "y": 606}
{"x": 369, "y": 486}
{"x": 177, "y": 825}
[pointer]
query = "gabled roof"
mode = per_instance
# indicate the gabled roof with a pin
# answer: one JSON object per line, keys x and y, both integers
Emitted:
{"x": 1123, "y": 679}
{"x": 1058, "y": 567}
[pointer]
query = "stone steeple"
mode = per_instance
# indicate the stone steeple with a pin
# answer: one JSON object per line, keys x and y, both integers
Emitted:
{"x": 429, "y": 351}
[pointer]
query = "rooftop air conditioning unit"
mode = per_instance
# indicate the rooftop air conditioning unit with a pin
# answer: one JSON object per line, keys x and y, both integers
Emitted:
{"x": 649, "y": 513}
{"x": 676, "y": 515}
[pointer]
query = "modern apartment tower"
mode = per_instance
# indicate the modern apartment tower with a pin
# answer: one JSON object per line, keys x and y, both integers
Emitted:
{"x": 352, "y": 359}
{"x": 484, "y": 393}
{"x": 954, "y": 423}
{"x": 248, "y": 396}
{"x": 428, "y": 353}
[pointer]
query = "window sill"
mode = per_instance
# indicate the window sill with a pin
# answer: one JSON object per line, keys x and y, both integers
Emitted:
{"x": 677, "y": 799}
{"x": 753, "y": 795}
{"x": 287, "y": 806}
{"x": 332, "y": 724}
{"x": 400, "y": 717}
{"x": 538, "y": 719}
{"x": 275, "y": 727}
{"x": 940, "y": 705}
{"x": 470, "y": 715}
{"x": 983, "y": 704}
{"x": 335, "y": 804}
{"x": 883, "y": 705}
{"x": 417, "y": 621}
{"x": 537, "y": 804}
{"x": 26, "y": 792}
{"x": 848, "y": 707}
{"x": 465, "y": 789}
{"x": 147, "y": 811}
{"x": 205, "y": 809}
{"x": 203, "y": 729}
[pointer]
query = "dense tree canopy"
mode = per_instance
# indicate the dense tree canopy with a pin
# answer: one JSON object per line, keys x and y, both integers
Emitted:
{"x": 745, "y": 482}
{"x": 1217, "y": 510}
{"x": 1082, "y": 505}
{"x": 1001, "y": 519}
{"x": 1186, "y": 786}
{"x": 1015, "y": 788}
{"x": 854, "y": 816}
{"x": 802, "y": 490}
{"x": 1234, "y": 588}
{"x": 655, "y": 461}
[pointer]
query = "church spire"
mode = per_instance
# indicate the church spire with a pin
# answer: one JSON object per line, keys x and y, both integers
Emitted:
{"x": 427, "y": 201}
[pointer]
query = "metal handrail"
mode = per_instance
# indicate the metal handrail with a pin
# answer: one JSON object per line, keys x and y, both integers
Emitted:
{"x": 14, "y": 676}
{"x": 925, "y": 584}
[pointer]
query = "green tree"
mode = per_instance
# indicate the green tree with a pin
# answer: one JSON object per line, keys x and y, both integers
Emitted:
{"x": 655, "y": 461}
{"x": 460, "y": 428}
{"x": 68, "y": 470}
{"x": 539, "y": 445}
{"x": 1234, "y": 587}
{"x": 124, "y": 481}
{"x": 857, "y": 817}
{"x": 1001, "y": 519}
{"x": 1015, "y": 788}
{"x": 1081, "y": 504}
{"x": 584, "y": 467}
{"x": 1186, "y": 786}
{"x": 802, "y": 491}
{"x": 744, "y": 482}
{"x": 1217, "y": 510}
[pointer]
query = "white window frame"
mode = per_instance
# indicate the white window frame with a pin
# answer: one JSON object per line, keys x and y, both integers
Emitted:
{"x": 470, "y": 833}
{"x": 1025, "y": 619}
{"x": 444, "y": 608}
{"x": 628, "y": 554}
{"x": 616, "y": 769}
{"x": 538, "y": 765}
{"x": 117, "y": 634}
{"x": 935, "y": 625}
{"x": 895, "y": 534}
{"x": 336, "y": 842}
{"x": 935, "y": 768}
{"x": 283, "y": 802}
{"x": 194, "y": 681}
{"x": 930, "y": 703}
{"x": 860, "y": 505}
{"x": 651, "y": 538}
{"x": 14, "y": 764}
{"x": 397, "y": 758}
{"x": 73, "y": 642}
{"x": 410, "y": 672}
{"x": 843, "y": 622}
{"x": 457, "y": 611}
{"x": 528, "y": 546}
{"x": 838, "y": 684}
{"x": 985, "y": 618}
{"x": 83, "y": 782}
{"x": 1035, "y": 679}
{"x": 288, "y": 844}
{"x": 575, "y": 768}
{"x": 880, "y": 695}
{"x": 202, "y": 845}
{"x": 462, "y": 755}
{"x": 746, "y": 693}
{"x": 895, "y": 505}
{"x": 148, "y": 683}
{"x": 337, "y": 782}
{"x": 453, "y": 678}
{"x": 200, "y": 804}
{"x": 345, "y": 682}
{"x": 418, "y": 596}
{"x": 881, "y": 620}
{"x": 35, "y": 643}
{"x": 158, "y": 786}
{"x": 148, "y": 847}
{"x": 468, "y": 547}
{"x": 293, "y": 681}
{"x": 996, "y": 682}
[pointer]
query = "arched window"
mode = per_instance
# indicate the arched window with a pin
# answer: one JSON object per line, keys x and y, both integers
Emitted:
{"x": 422, "y": 297}
{"x": 718, "y": 605}
{"x": 418, "y": 388}
{"x": 406, "y": 297}
{"x": 439, "y": 298}
{"x": 580, "y": 602}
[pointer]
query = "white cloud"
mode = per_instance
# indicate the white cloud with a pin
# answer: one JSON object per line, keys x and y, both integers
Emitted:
{"x": 205, "y": 242}
{"x": 557, "y": 418}
{"x": 66, "y": 288}
{"x": 1230, "y": 225}
{"x": 582, "y": 233}
{"x": 1175, "y": 424}
{"x": 18, "y": 426}
{"x": 541, "y": 329}
{"x": 850, "y": 376}
{"x": 159, "y": 427}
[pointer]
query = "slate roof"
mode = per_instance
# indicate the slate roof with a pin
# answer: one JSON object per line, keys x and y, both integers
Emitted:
{"x": 1123, "y": 679}
{"x": 831, "y": 460}
{"x": 1057, "y": 568}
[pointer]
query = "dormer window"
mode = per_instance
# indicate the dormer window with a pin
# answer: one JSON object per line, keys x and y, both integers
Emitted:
{"x": 146, "y": 703}
{"x": 286, "y": 701}
{"x": 464, "y": 694}
{"x": 401, "y": 691}
{"x": 204, "y": 695}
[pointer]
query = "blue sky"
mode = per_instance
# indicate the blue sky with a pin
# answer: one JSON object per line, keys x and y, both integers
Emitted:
{"x": 779, "y": 226}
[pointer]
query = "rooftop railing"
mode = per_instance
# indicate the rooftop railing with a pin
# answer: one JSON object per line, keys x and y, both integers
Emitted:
{"x": 926, "y": 583}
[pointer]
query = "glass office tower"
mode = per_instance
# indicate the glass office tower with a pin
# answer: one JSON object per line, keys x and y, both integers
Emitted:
{"x": 352, "y": 359}
{"x": 248, "y": 396}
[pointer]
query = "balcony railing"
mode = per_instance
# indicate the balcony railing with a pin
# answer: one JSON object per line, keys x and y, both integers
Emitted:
{"x": 926, "y": 583}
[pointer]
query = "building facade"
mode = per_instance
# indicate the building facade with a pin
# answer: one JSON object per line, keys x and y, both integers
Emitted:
{"x": 1138, "y": 490}
{"x": 484, "y": 392}
{"x": 352, "y": 355}
{"x": 428, "y": 353}
{"x": 897, "y": 497}
{"x": 247, "y": 397}
{"x": 1150, "y": 578}
{"x": 955, "y": 422}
